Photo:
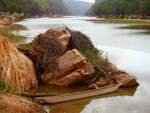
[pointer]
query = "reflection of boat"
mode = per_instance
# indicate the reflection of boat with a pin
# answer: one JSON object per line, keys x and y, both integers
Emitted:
{"x": 78, "y": 95}
{"x": 126, "y": 91}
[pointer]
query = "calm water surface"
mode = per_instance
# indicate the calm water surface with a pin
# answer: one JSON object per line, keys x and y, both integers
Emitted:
{"x": 129, "y": 49}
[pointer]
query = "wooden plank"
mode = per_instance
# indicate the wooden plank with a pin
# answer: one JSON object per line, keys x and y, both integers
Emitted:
{"x": 78, "y": 95}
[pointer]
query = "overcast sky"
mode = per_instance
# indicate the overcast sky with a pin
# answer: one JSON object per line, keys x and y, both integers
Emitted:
{"x": 88, "y": 0}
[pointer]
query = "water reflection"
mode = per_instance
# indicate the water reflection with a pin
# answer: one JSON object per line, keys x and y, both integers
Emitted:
{"x": 136, "y": 63}
{"x": 78, "y": 105}
{"x": 118, "y": 105}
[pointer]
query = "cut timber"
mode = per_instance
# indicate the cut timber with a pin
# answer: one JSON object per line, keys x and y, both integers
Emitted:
{"x": 120, "y": 77}
{"x": 78, "y": 95}
{"x": 72, "y": 67}
{"x": 125, "y": 79}
{"x": 16, "y": 70}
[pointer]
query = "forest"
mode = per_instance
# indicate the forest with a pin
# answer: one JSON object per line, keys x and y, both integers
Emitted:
{"x": 33, "y": 7}
{"x": 121, "y": 8}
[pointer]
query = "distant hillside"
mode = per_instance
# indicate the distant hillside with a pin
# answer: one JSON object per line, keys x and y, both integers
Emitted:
{"x": 98, "y": 1}
{"x": 77, "y": 7}
{"x": 33, "y": 7}
{"x": 122, "y": 8}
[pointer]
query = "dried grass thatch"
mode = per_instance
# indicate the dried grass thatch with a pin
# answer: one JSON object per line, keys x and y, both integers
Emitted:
{"x": 16, "y": 104}
{"x": 16, "y": 70}
{"x": 48, "y": 47}
{"x": 47, "y": 51}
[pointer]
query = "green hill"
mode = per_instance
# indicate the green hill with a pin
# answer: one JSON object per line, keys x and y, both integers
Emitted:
{"x": 33, "y": 7}
{"x": 121, "y": 8}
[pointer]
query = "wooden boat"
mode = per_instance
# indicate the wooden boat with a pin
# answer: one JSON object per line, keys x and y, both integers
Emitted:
{"x": 78, "y": 95}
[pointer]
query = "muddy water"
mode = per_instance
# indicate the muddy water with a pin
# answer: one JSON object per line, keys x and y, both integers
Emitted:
{"x": 128, "y": 48}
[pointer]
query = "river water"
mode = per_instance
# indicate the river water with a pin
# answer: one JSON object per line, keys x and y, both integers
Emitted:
{"x": 129, "y": 49}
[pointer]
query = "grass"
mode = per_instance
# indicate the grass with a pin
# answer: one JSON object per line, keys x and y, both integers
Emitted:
{"x": 3, "y": 86}
{"x": 136, "y": 27}
{"x": 123, "y": 21}
{"x": 8, "y": 89}
{"x": 84, "y": 45}
{"x": 132, "y": 24}
{"x": 7, "y": 32}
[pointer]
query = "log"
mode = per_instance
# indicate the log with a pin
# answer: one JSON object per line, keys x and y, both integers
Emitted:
{"x": 125, "y": 79}
{"x": 78, "y": 95}
{"x": 72, "y": 68}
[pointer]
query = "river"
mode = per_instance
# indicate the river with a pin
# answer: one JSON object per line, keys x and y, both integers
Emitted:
{"x": 129, "y": 49}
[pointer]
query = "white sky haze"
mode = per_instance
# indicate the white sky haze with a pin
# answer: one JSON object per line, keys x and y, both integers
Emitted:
{"x": 92, "y": 1}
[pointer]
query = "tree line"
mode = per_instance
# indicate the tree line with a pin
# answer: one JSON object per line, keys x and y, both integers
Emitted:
{"x": 121, "y": 8}
{"x": 33, "y": 7}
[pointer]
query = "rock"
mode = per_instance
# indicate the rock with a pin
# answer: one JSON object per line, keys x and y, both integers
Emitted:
{"x": 125, "y": 80}
{"x": 16, "y": 70}
{"x": 72, "y": 68}
{"x": 16, "y": 104}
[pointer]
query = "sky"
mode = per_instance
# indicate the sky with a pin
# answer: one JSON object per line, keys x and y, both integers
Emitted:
{"x": 88, "y": 0}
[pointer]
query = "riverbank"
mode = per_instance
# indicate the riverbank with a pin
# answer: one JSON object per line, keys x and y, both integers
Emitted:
{"x": 122, "y": 21}
{"x": 9, "y": 19}
{"x": 7, "y": 26}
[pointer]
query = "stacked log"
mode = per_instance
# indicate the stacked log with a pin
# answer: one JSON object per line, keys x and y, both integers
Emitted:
{"x": 125, "y": 79}
{"x": 16, "y": 70}
{"x": 64, "y": 57}
{"x": 119, "y": 77}
{"x": 72, "y": 67}
{"x": 55, "y": 62}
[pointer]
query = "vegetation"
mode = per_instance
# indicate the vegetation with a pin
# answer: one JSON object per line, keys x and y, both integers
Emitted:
{"x": 5, "y": 88}
{"x": 7, "y": 31}
{"x": 122, "y": 21}
{"x": 83, "y": 44}
{"x": 2, "y": 86}
{"x": 33, "y": 7}
{"x": 122, "y": 8}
